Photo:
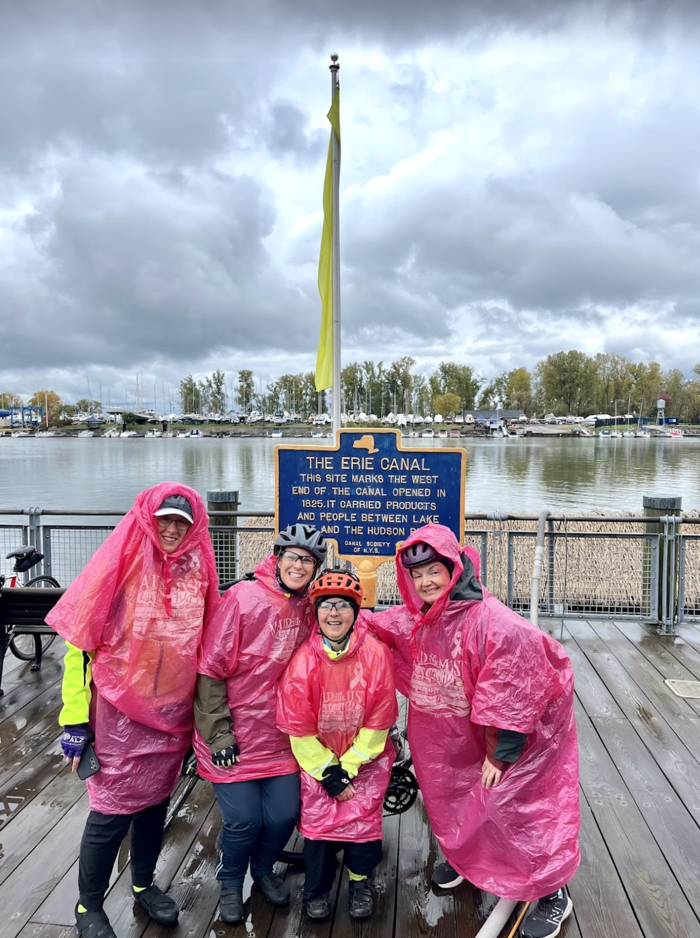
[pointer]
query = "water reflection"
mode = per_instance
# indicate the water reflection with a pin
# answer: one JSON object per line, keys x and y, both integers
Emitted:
{"x": 507, "y": 475}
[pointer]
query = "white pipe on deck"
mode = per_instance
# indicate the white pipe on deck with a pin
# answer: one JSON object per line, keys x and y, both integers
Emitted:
{"x": 496, "y": 922}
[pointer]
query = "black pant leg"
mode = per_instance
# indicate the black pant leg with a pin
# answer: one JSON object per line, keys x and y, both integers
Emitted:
{"x": 146, "y": 841}
{"x": 320, "y": 866}
{"x": 99, "y": 847}
{"x": 361, "y": 859}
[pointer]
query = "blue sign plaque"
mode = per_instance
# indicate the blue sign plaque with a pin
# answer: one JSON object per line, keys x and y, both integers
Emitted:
{"x": 368, "y": 493}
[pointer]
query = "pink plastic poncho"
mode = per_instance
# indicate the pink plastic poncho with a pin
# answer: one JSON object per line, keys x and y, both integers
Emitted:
{"x": 141, "y": 612}
{"x": 477, "y": 664}
{"x": 333, "y": 699}
{"x": 248, "y": 644}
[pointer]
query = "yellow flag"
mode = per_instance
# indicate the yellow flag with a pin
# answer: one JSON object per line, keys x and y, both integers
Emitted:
{"x": 324, "y": 358}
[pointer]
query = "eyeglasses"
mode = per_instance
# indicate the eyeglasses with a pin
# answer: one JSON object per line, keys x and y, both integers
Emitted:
{"x": 292, "y": 558}
{"x": 341, "y": 605}
{"x": 180, "y": 523}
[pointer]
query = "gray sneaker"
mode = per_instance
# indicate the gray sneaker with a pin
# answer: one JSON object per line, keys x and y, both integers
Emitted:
{"x": 318, "y": 909}
{"x": 544, "y": 918}
{"x": 445, "y": 877}
{"x": 273, "y": 888}
{"x": 231, "y": 905}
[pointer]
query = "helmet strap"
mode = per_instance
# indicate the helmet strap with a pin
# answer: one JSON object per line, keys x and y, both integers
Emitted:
{"x": 340, "y": 645}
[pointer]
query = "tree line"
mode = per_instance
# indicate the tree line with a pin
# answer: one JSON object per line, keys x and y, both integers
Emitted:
{"x": 564, "y": 383}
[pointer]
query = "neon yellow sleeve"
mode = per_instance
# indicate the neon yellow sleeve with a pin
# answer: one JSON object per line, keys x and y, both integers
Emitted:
{"x": 75, "y": 689}
{"x": 313, "y": 757}
{"x": 368, "y": 745}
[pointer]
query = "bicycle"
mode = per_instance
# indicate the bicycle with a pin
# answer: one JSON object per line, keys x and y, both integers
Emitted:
{"x": 27, "y": 647}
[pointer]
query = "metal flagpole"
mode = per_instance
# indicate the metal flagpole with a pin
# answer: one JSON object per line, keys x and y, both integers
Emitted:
{"x": 335, "y": 258}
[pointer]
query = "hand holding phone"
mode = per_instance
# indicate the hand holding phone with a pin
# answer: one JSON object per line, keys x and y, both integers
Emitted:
{"x": 89, "y": 763}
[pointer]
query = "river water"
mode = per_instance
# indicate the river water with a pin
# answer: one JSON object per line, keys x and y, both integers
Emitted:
{"x": 568, "y": 475}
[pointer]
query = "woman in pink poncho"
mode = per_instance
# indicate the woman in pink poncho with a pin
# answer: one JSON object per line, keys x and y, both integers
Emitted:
{"x": 133, "y": 622}
{"x": 491, "y": 729}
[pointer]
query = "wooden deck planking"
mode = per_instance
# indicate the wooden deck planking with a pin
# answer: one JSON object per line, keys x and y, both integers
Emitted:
{"x": 640, "y": 831}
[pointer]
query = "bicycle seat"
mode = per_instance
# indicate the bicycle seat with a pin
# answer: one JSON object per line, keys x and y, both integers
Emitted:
{"x": 20, "y": 552}
{"x": 27, "y": 557}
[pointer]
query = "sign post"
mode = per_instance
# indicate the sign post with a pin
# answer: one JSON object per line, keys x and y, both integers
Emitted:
{"x": 368, "y": 493}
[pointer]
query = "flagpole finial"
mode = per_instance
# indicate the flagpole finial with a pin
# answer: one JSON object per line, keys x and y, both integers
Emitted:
{"x": 334, "y": 59}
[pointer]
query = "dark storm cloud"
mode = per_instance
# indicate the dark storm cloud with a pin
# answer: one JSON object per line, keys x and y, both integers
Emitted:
{"x": 154, "y": 157}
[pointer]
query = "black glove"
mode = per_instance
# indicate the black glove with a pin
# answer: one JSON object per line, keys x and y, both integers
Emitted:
{"x": 224, "y": 758}
{"x": 335, "y": 779}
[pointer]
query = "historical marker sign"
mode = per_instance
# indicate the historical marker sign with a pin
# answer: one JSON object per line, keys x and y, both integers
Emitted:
{"x": 368, "y": 493}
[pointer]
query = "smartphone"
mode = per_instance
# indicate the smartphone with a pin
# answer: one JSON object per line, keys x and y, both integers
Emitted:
{"x": 89, "y": 763}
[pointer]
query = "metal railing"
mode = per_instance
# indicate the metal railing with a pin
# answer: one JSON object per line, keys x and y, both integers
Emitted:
{"x": 604, "y": 566}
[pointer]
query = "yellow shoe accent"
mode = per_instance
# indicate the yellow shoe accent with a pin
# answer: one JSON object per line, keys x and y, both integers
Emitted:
{"x": 355, "y": 877}
{"x": 81, "y": 908}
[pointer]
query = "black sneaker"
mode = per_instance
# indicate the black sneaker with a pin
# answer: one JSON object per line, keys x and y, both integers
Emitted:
{"x": 445, "y": 877}
{"x": 162, "y": 909}
{"x": 93, "y": 924}
{"x": 274, "y": 888}
{"x": 544, "y": 918}
{"x": 359, "y": 899}
{"x": 231, "y": 904}
{"x": 318, "y": 909}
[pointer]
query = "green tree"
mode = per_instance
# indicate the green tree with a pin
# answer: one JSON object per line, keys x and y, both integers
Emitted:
{"x": 447, "y": 405}
{"x": 567, "y": 381}
{"x": 352, "y": 378}
{"x": 190, "y": 396}
{"x": 421, "y": 395}
{"x": 460, "y": 380}
{"x": 614, "y": 380}
{"x": 647, "y": 381}
{"x": 518, "y": 389}
{"x": 217, "y": 392}
{"x": 246, "y": 389}
{"x": 86, "y": 406}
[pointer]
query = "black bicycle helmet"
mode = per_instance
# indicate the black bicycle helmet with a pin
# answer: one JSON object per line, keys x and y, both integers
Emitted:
{"x": 302, "y": 535}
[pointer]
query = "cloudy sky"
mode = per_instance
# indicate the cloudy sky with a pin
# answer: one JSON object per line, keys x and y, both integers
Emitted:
{"x": 519, "y": 177}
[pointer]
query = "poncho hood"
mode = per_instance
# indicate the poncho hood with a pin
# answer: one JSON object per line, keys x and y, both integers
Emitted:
{"x": 134, "y": 604}
{"x": 465, "y": 585}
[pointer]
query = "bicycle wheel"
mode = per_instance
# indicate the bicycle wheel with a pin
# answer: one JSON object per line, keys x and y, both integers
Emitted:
{"x": 24, "y": 646}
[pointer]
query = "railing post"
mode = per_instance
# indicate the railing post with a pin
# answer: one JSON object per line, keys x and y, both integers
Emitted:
{"x": 225, "y": 542}
{"x": 551, "y": 558}
{"x": 667, "y": 507}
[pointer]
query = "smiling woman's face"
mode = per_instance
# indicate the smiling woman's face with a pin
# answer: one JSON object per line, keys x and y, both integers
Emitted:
{"x": 171, "y": 531}
{"x": 431, "y": 580}
{"x": 296, "y": 567}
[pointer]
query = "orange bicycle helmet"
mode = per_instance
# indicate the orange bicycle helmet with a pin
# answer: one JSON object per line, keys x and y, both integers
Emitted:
{"x": 338, "y": 583}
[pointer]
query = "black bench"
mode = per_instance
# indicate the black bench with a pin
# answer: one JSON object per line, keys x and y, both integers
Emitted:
{"x": 22, "y": 612}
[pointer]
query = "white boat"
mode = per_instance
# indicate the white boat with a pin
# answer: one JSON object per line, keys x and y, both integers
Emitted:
{"x": 127, "y": 434}
{"x": 276, "y": 433}
{"x": 675, "y": 434}
{"x": 85, "y": 434}
{"x": 17, "y": 433}
{"x": 111, "y": 434}
{"x": 628, "y": 433}
{"x": 153, "y": 434}
{"x": 428, "y": 434}
{"x": 196, "y": 434}
{"x": 43, "y": 434}
{"x": 616, "y": 434}
{"x": 643, "y": 434}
